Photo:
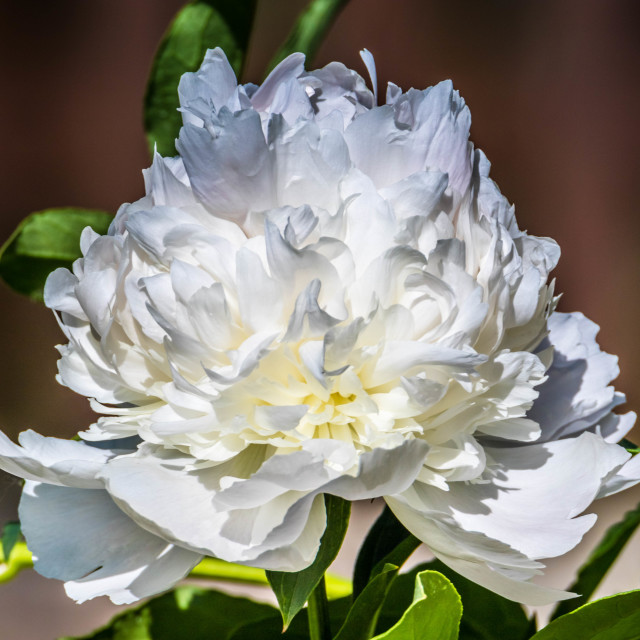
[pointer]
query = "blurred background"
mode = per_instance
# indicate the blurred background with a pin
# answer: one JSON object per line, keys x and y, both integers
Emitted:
{"x": 554, "y": 93}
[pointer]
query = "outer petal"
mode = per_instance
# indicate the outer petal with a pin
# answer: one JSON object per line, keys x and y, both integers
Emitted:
{"x": 528, "y": 508}
{"x": 492, "y": 564}
{"x": 576, "y": 395}
{"x": 52, "y": 460}
{"x": 212, "y": 86}
{"x": 627, "y": 476}
{"x": 178, "y": 505}
{"x": 231, "y": 172}
{"x": 422, "y": 130}
{"x": 80, "y": 536}
{"x": 270, "y": 516}
{"x": 537, "y": 492}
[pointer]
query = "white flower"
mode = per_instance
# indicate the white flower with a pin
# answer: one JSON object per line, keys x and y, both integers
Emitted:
{"x": 318, "y": 295}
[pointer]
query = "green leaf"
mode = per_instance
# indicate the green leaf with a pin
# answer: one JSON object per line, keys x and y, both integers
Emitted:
{"x": 12, "y": 565}
{"x": 310, "y": 29}
{"x": 629, "y": 446}
{"x": 10, "y": 535}
{"x": 271, "y": 628}
{"x": 363, "y": 616}
{"x": 45, "y": 241}
{"x": 387, "y": 542}
{"x": 434, "y": 614}
{"x": 293, "y": 589}
{"x": 613, "y": 618}
{"x": 485, "y": 615}
{"x": 201, "y": 25}
{"x": 599, "y": 562}
{"x": 196, "y": 614}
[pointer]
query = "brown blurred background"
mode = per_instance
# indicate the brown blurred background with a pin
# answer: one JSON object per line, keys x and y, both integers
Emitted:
{"x": 554, "y": 93}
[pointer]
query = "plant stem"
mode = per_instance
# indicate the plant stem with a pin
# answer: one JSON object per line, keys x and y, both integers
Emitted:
{"x": 318, "y": 613}
{"x": 214, "y": 569}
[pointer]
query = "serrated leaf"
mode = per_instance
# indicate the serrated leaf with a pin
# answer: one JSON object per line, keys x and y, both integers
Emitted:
{"x": 292, "y": 590}
{"x": 44, "y": 241}
{"x": 599, "y": 562}
{"x": 613, "y": 618}
{"x": 434, "y": 613}
{"x": 200, "y": 25}
{"x": 363, "y": 616}
{"x": 186, "y": 612}
{"x": 388, "y": 541}
{"x": 310, "y": 29}
{"x": 10, "y": 535}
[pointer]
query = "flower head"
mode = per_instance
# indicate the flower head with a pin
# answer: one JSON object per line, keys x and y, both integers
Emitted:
{"x": 318, "y": 295}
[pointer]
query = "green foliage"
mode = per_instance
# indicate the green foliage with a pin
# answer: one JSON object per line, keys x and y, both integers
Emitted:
{"x": 387, "y": 542}
{"x": 434, "y": 613}
{"x": 613, "y": 618}
{"x": 309, "y": 30}
{"x": 486, "y": 615}
{"x": 186, "y": 612}
{"x": 629, "y": 446}
{"x": 10, "y": 535}
{"x": 363, "y": 615}
{"x": 293, "y": 589}
{"x": 599, "y": 562}
{"x": 43, "y": 242}
{"x": 271, "y": 628}
{"x": 200, "y": 25}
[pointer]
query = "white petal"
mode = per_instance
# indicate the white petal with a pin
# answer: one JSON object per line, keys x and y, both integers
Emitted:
{"x": 420, "y": 131}
{"x": 628, "y": 475}
{"x": 576, "y": 395}
{"x": 212, "y": 85}
{"x": 369, "y": 62}
{"x": 52, "y": 460}
{"x": 59, "y": 293}
{"x": 80, "y": 536}
{"x": 290, "y": 68}
{"x": 229, "y": 173}
{"x": 487, "y": 562}
{"x": 537, "y": 491}
{"x": 280, "y": 418}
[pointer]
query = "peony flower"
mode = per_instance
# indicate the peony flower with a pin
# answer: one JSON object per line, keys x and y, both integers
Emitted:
{"x": 318, "y": 295}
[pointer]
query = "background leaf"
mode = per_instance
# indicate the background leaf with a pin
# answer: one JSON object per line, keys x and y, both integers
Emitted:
{"x": 201, "y": 25}
{"x": 293, "y": 589}
{"x": 271, "y": 628}
{"x": 629, "y": 446}
{"x": 613, "y": 618}
{"x": 599, "y": 562}
{"x": 45, "y": 241}
{"x": 310, "y": 29}
{"x": 434, "y": 613}
{"x": 363, "y": 616}
{"x": 387, "y": 542}
{"x": 10, "y": 535}
{"x": 186, "y": 612}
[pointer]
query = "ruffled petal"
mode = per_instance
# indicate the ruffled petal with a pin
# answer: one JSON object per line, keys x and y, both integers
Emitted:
{"x": 52, "y": 460}
{"x": 576, "y": 395}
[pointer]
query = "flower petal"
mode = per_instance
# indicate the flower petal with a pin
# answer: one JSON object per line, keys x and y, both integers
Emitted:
{"x": 81, "y": 537}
